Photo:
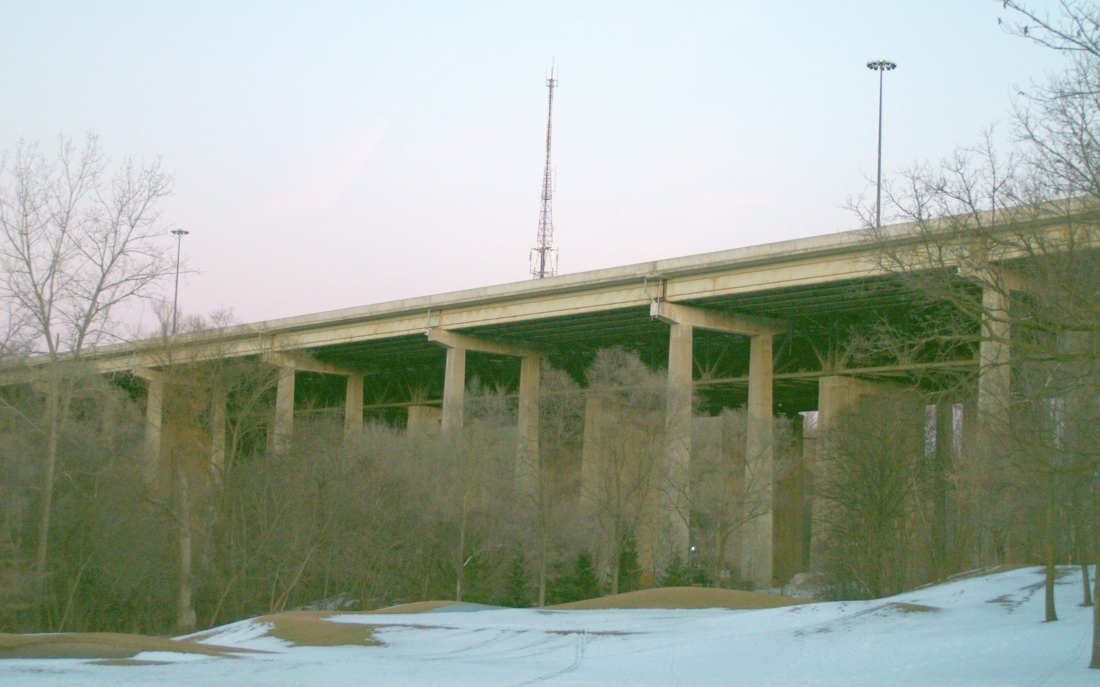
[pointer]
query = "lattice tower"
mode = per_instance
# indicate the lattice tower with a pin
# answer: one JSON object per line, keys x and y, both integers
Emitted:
{"x": 544, "y": 256}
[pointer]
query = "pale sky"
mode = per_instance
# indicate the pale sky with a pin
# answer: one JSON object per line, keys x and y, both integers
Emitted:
{"x": 334, "y": 154}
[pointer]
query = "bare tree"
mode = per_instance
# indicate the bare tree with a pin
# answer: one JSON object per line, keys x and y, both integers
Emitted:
{"x": 107, "y": 541}
{"x": 207, "y": 397}
{"x": 726, "y": 484}
{"x": 76, "y": 245}
{"x": 469, "y": 474}
{"x": 872, "y": 482}
{"x": 1007, "y": 245}
{"x": 546, "y": 509}
{"x": 623, "y": 463}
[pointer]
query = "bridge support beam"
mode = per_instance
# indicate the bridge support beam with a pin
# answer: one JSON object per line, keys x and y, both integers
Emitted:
{"x": 156, "y": 389}
{"x": 282, "y": 429}
{"x": 836, "y": 395}
{"x": 279, "y": 439}
{"x": 454, "y": 391}
{"x": 995, "y": 370}
{"x": 154, "y": 421}
{"x": 353, "y": 405}
{"x": 591, "y": 453}
{"x": 454, "y": 395}
{"x": 758, "y": 531}
{"x": 425, "y": 420}
{"x": 527, "y": 452}
{"x": 675, "y": 501}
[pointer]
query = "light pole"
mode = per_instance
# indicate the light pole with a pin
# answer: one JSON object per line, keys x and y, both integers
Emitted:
{"x": 179, "y": 233}
{"x": 879, "y": 66}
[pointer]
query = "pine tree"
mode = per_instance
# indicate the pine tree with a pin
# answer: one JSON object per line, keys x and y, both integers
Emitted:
{"x": 585, "y": 583}
{"x": 630, "y": 572}
{"x": 516, "y": 583}
{"x": 676, "y": 575}
{"x": 578, "y": 585}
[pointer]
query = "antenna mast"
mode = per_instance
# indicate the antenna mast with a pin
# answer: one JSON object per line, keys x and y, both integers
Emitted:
{"x": 544, "y": 257}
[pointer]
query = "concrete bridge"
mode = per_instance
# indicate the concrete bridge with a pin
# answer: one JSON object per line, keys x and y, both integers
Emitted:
{"x": 763, "y": 327}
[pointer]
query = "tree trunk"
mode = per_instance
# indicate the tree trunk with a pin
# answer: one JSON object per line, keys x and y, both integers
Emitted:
{"x": 941, "y": 461}
{"x": 280, "y": 604}
{"x": 53, "y": 439}
{"x": 185, "y": 612}
{"x": 542, "y": 571}
{"x": 74, "y": 585}
{"x": 1051, "y": 615}
{"x": 1086, "y": 588}
{"x": 616, "y": 554}
{"x": 1095, "y": 621}
{"x": 460, "y": 571}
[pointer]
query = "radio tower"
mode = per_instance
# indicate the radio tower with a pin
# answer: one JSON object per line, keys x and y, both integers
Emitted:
{"x": 544, "y": 257}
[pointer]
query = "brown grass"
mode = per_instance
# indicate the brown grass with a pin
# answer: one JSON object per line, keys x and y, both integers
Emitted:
{"x": 310, "y": 628}
{"x": 977, "y": 572}
{"x": 685, "y": 597}
{"x": 101, "y": 645}
{"x": 414, "y": 607}
{"x": 912, "y": 608}
{"x": 299, "y": 628}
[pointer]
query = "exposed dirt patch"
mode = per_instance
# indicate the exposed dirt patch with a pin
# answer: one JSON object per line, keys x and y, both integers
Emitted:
{"x": 596, "y": 633}
{"x": 310, "y": 628}
{"x": 912, "y": 608}
{"x": 102, "y": 645}
{"x": 415, "y": 626}
{"x": 129, "y": 662}
{"x": 685, "y": 597}
{"x": 977, "y": 572}
{"x": 414, "y": 607}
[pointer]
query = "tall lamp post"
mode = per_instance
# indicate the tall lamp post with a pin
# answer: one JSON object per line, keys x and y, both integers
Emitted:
{"x": 179, "y": 234}
{"x": 879, "y": 66}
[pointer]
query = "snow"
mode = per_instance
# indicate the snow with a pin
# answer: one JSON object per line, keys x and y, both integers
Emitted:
{"x": 982, "y": 631}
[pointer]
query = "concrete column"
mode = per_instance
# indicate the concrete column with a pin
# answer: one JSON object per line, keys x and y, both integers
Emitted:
{"x": 675, "y": 500}
{"x": 757, "y": 539}
{"x": 527, "y": 452}
{"x": 591, "y": 451}
{"x": 109, "y": 427}
{"x": 353, "y": 405}
{"x": 154, "y": 417}
{"x": 1076, "y": 383}
{"x": 283, "y": 428}
{"x": 836, "y": 395}
{"x": 217, "y": 433}
{"x": 454, "y": 390}
{"x": 994, "y": 372}
{"x": 941, "y": 468}
{"x": 424, "y": 420}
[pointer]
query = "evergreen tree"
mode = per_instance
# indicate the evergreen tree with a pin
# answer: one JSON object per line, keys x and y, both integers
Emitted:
{"x": 585, "y": 582}
{"x": 516, "y": 588}
{"x": 676, "y": 575}
{"x": 578, "y": 585}
{"x": 558, "y": 585}
{"x": 630, "y": 572}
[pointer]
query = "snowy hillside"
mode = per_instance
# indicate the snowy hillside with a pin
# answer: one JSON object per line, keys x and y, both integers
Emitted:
{"x": 976, "y": 631}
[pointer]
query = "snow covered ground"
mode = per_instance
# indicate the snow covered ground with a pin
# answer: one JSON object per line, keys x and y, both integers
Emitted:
{"x": 980, "y": 631}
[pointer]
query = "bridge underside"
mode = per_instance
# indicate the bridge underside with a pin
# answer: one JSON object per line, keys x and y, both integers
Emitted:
{"x": 408, "y": 370}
